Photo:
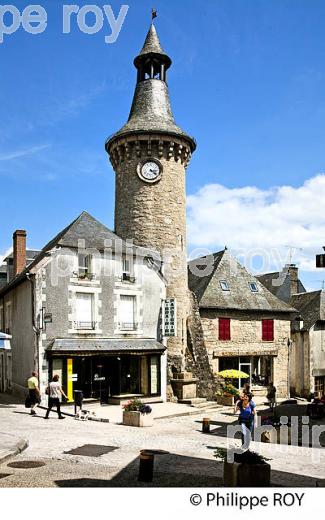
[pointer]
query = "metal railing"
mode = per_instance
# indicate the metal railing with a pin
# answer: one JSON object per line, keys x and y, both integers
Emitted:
{"x": 85, "y": 325}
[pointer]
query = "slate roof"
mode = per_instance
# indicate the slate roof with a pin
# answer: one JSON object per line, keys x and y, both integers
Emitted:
{"x": 239, "y": 297}
{"x": 105, "y": 345}
{"x": 152, "y": 46}
{"x": 151, "y": 110}
{"x": 279, "y": 284}
{"x": 311, "y": 306}
{"x": 95, "y": 236}
{"x": 30, "y": 255}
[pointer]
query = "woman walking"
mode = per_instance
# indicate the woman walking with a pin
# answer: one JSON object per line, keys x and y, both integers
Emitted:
{"x": 55, "y": 393}
{"x": 247, "y": 413}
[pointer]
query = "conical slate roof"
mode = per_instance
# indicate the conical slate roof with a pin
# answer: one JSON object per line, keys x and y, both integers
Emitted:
{"x": 151, "y": 110}
{"x": 152, "y": 44}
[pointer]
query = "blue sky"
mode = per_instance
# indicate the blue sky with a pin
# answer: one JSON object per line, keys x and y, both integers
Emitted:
{"x": 247, "y": 81}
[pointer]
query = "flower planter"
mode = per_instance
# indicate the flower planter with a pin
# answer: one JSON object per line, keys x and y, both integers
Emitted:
{"x": 226, "y": 400}
{"x": 137, "y": 419}
{"x": 237, "y": 474}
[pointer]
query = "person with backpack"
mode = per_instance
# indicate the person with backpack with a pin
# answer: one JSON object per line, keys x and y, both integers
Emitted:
{"x": 247, "y": 414}
{"x": 34, "y": 395}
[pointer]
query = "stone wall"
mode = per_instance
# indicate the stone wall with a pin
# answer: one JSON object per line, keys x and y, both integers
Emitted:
{"x": 246, "y": 340}
{"x": 154, "y": 215}
{"x": 197, "y": 359}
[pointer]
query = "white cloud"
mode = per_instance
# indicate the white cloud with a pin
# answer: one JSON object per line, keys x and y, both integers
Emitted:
{"x": 6, "y": 253}
{"x": 271, "y": 220}
{"x": 21, "y": 153}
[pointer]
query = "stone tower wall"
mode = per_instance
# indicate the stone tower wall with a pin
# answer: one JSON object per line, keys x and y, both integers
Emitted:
{"x": 154, "y": 215}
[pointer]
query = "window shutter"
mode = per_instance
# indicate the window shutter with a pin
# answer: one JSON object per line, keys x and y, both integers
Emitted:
{"x": 224, "y": 329}
{"x": 84, "y": 308}
{"x": 267, "y": 330}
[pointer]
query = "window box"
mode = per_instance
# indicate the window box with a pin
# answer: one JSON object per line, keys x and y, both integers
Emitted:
{"x": 126, "y": 277}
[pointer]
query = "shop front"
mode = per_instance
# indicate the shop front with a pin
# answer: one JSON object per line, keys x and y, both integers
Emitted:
{"x": 109, "y": 370}
{"x": 258, "y": 368}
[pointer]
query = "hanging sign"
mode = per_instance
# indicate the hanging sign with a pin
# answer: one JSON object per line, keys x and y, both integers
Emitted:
{"x": 170, "y": 317}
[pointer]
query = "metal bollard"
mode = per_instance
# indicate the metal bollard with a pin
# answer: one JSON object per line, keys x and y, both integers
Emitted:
{"x": 146, "y": 466}
{"x": 206, "y": 425}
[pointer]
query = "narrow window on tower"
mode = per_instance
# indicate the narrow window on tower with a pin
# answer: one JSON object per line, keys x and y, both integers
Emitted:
{"x": 224, "y": 329}
{"x": 267, "y": 330}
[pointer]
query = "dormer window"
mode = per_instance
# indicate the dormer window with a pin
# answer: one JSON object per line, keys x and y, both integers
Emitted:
{"x": 224, "y": 285}
{"x": 253, "y": 286}
{"x": 127, "y": 270}
{"x": 84, "y": 266}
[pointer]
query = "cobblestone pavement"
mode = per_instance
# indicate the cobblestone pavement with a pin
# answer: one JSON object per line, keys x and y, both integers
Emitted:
{"x": 190, "y": 461}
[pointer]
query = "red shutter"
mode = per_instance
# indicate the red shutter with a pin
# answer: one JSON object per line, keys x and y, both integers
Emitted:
{"x": 224, "y": 329}
{"x": 267, "y": 330}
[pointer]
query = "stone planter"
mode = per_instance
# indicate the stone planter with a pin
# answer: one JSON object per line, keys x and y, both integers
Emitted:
{"x": 236, "y": 474}
{"x": 226, "y": 400}
{"x": 137, "y": 419}
{"x": 184, "y": 385}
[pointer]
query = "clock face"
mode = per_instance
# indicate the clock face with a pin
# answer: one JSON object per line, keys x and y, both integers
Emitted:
{"x": 150, "y": 171}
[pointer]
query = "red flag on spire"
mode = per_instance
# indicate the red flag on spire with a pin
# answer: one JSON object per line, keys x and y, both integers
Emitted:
{"x": 153, "y": 13}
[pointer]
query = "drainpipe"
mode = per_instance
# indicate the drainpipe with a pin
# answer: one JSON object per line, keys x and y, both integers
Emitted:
{"x": 289, "y": 343}
{"x": 31, "y": 279}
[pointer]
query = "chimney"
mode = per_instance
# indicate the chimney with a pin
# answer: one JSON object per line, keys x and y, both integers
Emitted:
{"x": 19, "y": 238}
{"x": 293, "y": 273}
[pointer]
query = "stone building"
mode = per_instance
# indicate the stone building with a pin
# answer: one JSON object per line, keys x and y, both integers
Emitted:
{"x": 150, "y": 155}
{"x": 307, "y": 359}
{"x": 89, "y": 308}
{"x": 307, "y": 347}
{"x": 243, "y": 325}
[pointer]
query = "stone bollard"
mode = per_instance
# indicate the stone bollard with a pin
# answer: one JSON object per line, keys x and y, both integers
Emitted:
{"x": 146, "y": 466}
{"x": 206, "y": 425}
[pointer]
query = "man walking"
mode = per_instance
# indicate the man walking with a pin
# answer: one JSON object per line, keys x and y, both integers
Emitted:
{"x": 55, "y": 393}
{"x": 33, "y": 392}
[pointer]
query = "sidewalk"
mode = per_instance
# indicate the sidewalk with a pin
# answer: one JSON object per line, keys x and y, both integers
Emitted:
{"x": 11, "y": 446}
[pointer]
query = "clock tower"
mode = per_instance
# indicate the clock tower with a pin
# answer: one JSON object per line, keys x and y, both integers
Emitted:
{"x": 150, "y": 155}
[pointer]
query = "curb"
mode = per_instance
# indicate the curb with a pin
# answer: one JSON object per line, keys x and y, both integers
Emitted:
{"x": 72, "y": 415}
{"x": 20, "y": 446}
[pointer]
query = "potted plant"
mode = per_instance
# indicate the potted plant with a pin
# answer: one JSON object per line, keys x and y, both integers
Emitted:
{"x": 228, "y": 394}
{"x": 137, "y": 413}
{"x": 248, "y": 469}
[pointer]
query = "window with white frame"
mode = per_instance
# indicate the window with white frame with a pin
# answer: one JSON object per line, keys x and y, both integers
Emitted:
{"x": 127, "y": 269}
{"x": 127, "y": 312}
{"x": 84, "y": 311}
{"x": 8, "y": 318}
{"x": 84, "y": 265}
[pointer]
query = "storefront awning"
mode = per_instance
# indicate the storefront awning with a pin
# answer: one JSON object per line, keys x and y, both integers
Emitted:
{"x": 105, "y": 345}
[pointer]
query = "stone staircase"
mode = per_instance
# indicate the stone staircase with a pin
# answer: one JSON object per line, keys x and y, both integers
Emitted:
{"x": 201, "y": 403}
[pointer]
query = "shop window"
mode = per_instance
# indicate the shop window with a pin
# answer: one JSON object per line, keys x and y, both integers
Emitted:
{"x": 267, "y": 330}
{"x": 224, "y": 329}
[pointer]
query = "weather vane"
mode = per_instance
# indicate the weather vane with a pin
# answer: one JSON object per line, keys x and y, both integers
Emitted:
{"x": 153, "y": 13}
